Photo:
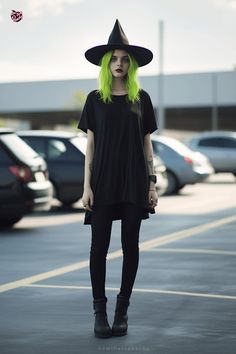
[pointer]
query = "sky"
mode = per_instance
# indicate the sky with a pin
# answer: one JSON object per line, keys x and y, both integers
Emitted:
{"x": 50, "y": 41}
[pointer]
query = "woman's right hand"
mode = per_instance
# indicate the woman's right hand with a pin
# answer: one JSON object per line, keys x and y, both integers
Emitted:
{"x": 87, "y": 198}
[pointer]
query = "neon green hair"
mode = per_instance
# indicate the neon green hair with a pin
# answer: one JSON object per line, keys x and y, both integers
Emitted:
{"x": 105, "y": 79}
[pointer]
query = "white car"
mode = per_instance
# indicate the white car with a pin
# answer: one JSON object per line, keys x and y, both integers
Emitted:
{"x": 219, "y": 147}
{"x": 183, "y": 165}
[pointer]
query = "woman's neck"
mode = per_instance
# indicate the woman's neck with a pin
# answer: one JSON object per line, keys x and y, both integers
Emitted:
{"x": 118, "y": 85}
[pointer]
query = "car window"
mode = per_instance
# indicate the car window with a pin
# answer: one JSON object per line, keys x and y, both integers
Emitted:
{"x": 4, "y": 157}
{"x": 61, "y": 150}
{"x": 37, "y": 144}
{"x": 228, "y": 143}
{"x": 18, "y": 147}
{"x": 218, "y": 142}
{"x": 209, "y": 142}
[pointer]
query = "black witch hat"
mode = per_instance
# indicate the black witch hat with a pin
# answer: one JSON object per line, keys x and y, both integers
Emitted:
{"x": 118, "y": 40}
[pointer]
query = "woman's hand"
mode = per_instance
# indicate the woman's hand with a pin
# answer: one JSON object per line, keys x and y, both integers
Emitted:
{"x": 153, "y": 198}
{"x": 87, "y": 198}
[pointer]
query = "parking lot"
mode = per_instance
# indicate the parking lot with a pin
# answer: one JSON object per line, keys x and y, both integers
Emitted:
{"x": 184, "y": 298}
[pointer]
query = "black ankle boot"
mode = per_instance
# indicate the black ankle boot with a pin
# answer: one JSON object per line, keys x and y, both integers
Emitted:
{"x": 120, "y": 324}
{"x": 101, "y": 326}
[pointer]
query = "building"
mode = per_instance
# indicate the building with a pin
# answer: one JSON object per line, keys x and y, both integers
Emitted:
{"x": 192, "y": 102}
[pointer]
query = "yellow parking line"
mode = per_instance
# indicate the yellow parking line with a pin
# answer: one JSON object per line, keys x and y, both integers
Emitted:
{"x": 192, "y": 250}
{"x": 43, "y": 276}
{"x": 154, "y": 291}
{"x": 146, "y": 245}
{"x": 186, "y": 233}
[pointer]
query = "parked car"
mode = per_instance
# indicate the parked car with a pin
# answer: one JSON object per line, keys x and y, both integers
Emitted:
{"x": 219, "y": 147}
{"x": 24, "y": 183}
{"x": 160, "y": 172}
{"x": 64, "y": 153}
{"x": 183, "y": 166}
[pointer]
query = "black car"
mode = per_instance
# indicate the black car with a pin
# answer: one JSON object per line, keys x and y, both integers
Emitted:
{"x": 24, "y": 183}
{"x": 64, "y": 153}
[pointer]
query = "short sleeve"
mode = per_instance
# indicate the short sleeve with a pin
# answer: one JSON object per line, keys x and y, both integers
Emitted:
{"x": 149, "y": 119}
{"x": 87, "y": 116}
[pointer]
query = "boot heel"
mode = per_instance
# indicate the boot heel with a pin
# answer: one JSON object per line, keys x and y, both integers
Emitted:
{"x": 120, "y": 324}
{"x": 102, "y": 328}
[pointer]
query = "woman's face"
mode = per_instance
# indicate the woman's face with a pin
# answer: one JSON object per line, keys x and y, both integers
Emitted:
{"x": 119, "y": 63}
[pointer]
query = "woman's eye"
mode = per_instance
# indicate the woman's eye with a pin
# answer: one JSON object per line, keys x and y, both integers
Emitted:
{"x": 125, "y": 60}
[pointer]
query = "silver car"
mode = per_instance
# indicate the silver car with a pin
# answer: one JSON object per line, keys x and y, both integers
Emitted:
{"x": 183, "y": 165}
{"x": 160, "y": 172}
{"x": 219, "y": 147}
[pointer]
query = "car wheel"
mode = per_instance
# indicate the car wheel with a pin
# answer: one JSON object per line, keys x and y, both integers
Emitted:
{"x": 10, "y": 222}
{"x": 172, "y": 183}
{"x": 181, "y": 187}
{"x": 54, "y": 190}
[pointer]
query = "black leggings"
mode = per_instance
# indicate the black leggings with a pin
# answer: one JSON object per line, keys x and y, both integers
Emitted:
{"x": 101, "y": 225}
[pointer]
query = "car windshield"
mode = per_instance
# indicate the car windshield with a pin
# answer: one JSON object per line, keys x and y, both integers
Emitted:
{"x": 18, "y": 146}
{"x": 80, "y": 143}
{"x": 176, "y": 145}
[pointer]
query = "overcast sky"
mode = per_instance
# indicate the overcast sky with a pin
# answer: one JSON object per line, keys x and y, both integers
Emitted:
{"x": 49, "y": 43}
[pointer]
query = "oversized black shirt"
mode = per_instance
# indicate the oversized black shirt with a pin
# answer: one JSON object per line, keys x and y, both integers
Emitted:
{"x": 119, "y": 170}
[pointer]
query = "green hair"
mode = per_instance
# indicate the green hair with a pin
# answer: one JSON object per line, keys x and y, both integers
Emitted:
{"x": 105, "y": 79}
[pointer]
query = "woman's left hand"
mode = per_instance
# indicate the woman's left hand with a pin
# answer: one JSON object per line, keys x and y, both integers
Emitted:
{"x": 153, "y": 198}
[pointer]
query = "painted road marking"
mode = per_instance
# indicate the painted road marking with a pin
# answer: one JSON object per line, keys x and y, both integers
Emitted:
{"x": 46, "y": 221}
{"x": 146, "y": 245}
{"x": 186, "y": 233}
{"x": 192, "y": 250}
{"x": 154, "y": 291}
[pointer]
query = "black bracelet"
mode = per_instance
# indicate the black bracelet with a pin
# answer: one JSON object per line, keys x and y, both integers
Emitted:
{"x": 153, "y": 178}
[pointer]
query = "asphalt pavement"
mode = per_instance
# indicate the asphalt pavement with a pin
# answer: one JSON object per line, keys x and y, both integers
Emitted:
{"x": 184, "y": 298}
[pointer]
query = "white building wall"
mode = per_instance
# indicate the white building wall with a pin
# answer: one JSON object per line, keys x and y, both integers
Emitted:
{"x": 193, "y": 90}
{"x": 227, "y": 88}
{"x": 182, "y": 90}
{"x": 40, "y": 95}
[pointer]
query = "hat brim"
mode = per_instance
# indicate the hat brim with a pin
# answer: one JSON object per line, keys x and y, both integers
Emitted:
{"x": 142, "y": 55}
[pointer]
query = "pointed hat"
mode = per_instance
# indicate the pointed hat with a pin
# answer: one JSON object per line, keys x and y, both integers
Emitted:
{"x": 118, "y": 40}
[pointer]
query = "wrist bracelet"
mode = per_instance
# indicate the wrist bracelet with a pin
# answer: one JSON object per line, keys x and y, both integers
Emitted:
{"x": 153, "y": 178}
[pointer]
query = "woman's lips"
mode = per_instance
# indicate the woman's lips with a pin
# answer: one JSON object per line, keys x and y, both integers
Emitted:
{"x": 119, "y": 70}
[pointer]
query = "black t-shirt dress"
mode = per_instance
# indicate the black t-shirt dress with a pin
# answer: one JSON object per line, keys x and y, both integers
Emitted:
{"x": 119, "y": 170}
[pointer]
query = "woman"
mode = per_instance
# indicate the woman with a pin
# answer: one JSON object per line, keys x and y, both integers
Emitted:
{"x": 119, "y": 180}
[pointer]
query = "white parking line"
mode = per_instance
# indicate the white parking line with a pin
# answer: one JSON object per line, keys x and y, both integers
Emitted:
{"x": 146, "y": 245}
{"x": 192, "y": 250}
{"x": 154, "y": 291}
{"x": 45, "y": 221}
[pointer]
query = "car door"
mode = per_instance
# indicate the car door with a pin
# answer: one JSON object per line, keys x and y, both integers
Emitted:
{"x": 213, "y": 149}
{"x": 229, "y": 147}
{"x": 66, "y": 169}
